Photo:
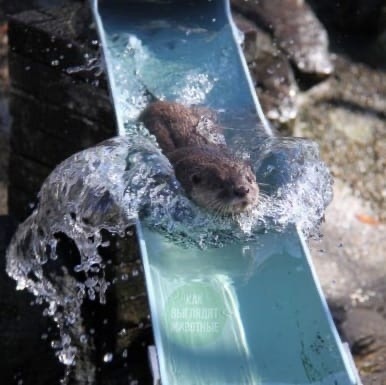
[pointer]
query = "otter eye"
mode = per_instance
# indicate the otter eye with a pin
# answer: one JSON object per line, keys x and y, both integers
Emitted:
{"x": 196, "y": 179}
{"x": 249, "y": 179}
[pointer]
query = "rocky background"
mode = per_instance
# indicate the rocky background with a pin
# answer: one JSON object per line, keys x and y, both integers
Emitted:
{"x": 320, "y": 71}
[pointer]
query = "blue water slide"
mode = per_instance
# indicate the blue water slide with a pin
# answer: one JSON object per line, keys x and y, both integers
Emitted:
{"x": 246, "y": 313}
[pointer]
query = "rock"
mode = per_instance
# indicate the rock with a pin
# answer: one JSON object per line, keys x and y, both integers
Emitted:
{"x": 380, "y": 46}
{"x": 365, "y": 330}
{"x": 271, "y": 72}
{"x": 354, "y": 16}
{"x": 276, "y": 87}
{"x": 297, "y": 30}
{"x": 62, "y": 38}
{"x": 362, "y": 329}
{"x": 346, "y": 114}
{"x": 356, "y": 28}
{"x": 57, "y": 108}
{"x": 251, "y": 36}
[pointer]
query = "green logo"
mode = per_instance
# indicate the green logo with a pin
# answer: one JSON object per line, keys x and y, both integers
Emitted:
{"x": 195, "y": 314}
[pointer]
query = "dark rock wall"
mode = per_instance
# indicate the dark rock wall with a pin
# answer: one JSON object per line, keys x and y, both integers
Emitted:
{"x": 57, "y": 108}
{"x": 60, "y": 105}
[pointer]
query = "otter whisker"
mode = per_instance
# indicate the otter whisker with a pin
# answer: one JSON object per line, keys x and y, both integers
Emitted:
{"x": 263, "y": 195}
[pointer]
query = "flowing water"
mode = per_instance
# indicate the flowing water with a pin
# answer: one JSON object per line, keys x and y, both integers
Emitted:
{"x": 109, "y": 186}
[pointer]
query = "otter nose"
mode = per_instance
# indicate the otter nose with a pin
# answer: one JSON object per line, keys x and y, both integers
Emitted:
{"x": 241, "y": 191}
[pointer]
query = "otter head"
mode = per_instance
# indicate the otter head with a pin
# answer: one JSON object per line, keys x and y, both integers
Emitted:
{"x": 214, "y": 179}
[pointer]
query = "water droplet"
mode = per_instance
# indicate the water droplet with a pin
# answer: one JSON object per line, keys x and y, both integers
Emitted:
{"x": 91, "y": 294}
{"x": 83, "y": 339}
{"x": 56, "y": 344}
{"x": 67, "y": 355}
{"x": 108, "y": 357}
{"x": 55, "y": 63}
{"x": 71, "y": 318}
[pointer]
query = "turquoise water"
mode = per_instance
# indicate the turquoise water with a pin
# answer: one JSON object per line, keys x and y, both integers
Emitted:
{"x": 267, "y": 324}
{"x": 192, "y": 59}
{"x": 188, "y": 59}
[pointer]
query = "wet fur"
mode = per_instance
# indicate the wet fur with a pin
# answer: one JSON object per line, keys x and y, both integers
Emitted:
{"x": 210, "y": 174}
{"x": 176, "y": 126}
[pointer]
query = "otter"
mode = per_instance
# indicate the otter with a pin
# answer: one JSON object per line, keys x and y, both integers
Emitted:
{"x": 194, "y": 144}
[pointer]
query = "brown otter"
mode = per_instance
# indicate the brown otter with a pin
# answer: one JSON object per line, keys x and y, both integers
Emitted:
{"x": 193, "y": 142}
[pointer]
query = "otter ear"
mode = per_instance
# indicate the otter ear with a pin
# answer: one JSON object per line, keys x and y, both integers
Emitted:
{"x": 196, "y": 178}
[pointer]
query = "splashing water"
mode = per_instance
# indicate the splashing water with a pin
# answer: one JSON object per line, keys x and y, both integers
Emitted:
{"x": 106, "y": 188}
{"x": 291, "y": 166}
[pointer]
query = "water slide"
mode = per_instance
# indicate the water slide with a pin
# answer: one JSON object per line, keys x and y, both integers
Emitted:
{"x": 251, "y": 312}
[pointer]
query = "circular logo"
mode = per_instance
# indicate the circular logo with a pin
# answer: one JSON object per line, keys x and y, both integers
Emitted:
{"x": 195, "y": 314}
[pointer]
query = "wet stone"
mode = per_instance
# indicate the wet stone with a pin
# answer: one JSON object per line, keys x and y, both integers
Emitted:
{"x": 52, "y": 149}
{"x": 59, "y": 98}
{"x": 250, "y": 41}
{"x": 276, "y": 87}
{"x": 43, "y": 116}
{"x": 61, "y": 38}
{"x": 62, "y": 91}
{"x": 297, "y": 30}
{"x": 353, "y": 125}
{"x": 365, "y": 330}
{"x": 272, "y": 74}
{"x": 355, "y": 28}
{"x": 360, "y": 328}
{"x": 359, "y": 16}
{"x": 346, "y": 115}
{"x": 28, "y": 174}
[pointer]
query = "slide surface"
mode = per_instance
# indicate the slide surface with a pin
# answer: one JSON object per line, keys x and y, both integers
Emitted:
{"x": 247, "y": 313}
